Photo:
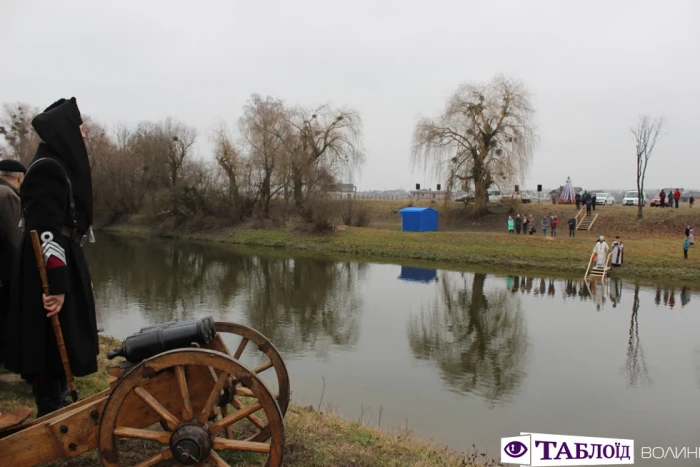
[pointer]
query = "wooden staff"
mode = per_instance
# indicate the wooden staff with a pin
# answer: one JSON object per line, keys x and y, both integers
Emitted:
{"x": 54, "y": 319}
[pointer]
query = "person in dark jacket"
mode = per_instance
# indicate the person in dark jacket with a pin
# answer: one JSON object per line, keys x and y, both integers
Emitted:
{"x": 56, "y": 198}
{"x": 578, "y": 201}
{"x": 11, "y": 175}
{"x": 518, "y": 223}
{"x": 572, "y": 227}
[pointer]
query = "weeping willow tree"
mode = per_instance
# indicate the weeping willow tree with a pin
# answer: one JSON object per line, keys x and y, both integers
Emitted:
{"x": 484, "y": 136}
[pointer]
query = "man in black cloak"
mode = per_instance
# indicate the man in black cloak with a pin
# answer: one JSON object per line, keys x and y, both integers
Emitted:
{"x": 56, "y": 197}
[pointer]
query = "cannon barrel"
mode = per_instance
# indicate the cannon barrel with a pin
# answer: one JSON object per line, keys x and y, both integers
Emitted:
{"x": 159, "y": 338}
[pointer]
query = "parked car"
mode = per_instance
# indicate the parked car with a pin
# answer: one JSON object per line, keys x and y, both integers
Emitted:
{"x": 495, "y": 195}
{"x": 632, "y": 198}
{"x": 467, "y": 197}
{"x": 523, "y": 196}
{"x": 656, "y": 201}
{"x": 604, "y": 198}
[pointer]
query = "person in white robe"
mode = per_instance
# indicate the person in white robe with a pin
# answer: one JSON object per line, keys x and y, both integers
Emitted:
{"x": 601, "y": 249}
{"x": 617, "y": 255}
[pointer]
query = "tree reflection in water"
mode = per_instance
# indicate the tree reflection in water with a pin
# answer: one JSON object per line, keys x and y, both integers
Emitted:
{"x": 296, "y": 303}
{"x": 636, "y": 366}
{"x": 299, "y": 303}
{"x": 478, "y": 340}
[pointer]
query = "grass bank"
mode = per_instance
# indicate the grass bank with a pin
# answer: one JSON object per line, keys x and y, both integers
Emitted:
{"x": 653, "y": 258}
{"x": 313, "y": 439}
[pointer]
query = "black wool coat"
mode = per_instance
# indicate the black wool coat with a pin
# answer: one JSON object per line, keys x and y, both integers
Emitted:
{"x": 31, "y": 348}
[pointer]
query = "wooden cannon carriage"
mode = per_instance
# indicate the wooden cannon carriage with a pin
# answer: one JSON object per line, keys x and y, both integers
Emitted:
{"x": 193, "y": 405}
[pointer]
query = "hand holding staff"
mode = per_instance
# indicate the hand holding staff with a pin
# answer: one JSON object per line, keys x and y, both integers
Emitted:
{"x": 54, "y": 317}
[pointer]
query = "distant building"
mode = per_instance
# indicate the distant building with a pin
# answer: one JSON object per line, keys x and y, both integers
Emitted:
{"x": 340, "y": 190}
{"x": 685, "y": 197}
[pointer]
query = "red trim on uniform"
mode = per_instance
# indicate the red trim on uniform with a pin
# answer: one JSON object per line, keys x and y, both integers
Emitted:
{"x": 54, "y": 262}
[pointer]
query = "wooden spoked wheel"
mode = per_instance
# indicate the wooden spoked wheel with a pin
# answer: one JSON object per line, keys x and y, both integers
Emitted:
{"x": 271, "y": 362}
{"x": 181, "y": 391}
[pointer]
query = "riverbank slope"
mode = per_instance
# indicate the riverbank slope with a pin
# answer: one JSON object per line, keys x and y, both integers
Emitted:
{"x": 313, "y": 439}
{"x": 656, "y": 258}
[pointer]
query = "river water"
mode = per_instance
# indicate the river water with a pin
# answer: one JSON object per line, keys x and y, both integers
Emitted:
{"x": 461, "y": 358}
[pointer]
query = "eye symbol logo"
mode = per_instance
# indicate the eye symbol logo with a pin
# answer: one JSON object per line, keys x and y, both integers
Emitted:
{"x": 515, "y": 449}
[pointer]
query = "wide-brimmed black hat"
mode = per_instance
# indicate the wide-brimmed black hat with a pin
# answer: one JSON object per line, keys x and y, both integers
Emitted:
{"x": 11, "y": 165}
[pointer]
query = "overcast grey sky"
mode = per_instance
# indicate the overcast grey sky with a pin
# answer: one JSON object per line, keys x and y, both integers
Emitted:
{"x": 591, "y": 66}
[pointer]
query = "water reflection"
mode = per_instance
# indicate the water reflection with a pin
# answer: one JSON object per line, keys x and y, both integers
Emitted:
{"x": 412, "y": 274}
{"x": 615, "y": 291}
{"x": 477, "y": 338}
{"x": 299, "y": 304}
{"x": 600, "y": 292}
{"x": 460, "y": 339}
{"x": 669, "y": 296}
{"x": 636, "y": 366}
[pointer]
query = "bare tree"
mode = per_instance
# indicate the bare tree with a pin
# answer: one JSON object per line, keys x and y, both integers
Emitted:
{"x": 17, "y": 131}
{"x": 485, "y": 135}
{"x": 329, "y": 143}
{"x": 264, "y": 127}
{"x": 230, "y": 160}
{"x": 178, "y": 141}
{"x": 646, "y": 135}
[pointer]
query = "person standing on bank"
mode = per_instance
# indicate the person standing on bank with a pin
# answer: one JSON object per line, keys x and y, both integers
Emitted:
{"x": 11, "y": 175}
{"x": 518, "y": 223}
{"x": 56, "y": 198}
{"x": 617, "y": 253}
{"x": 677, "y": 196}
{"x": 601, "y": 249}
{"x": 572, "y": 227}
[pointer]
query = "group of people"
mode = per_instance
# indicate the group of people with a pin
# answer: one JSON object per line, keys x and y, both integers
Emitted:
{"x": 689, "y": 240}
{"x": 526, "y": 225}
{"x": 587, "y": 200}
{"x": 673, "y": 197}
{"x": 51, "y": 198}
{"x": 601, "y": 250}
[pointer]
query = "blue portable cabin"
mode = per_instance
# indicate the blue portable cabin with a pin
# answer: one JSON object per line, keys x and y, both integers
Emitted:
{"x": 419, "y": 219}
